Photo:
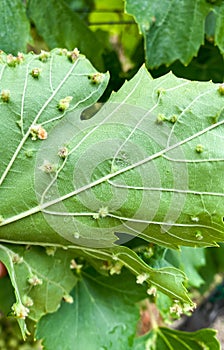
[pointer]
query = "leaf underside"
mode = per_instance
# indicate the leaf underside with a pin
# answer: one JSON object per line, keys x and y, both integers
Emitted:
{"x": 148, "y": 164}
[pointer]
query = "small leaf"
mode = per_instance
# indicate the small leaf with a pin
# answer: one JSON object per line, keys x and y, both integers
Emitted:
{"x": 37, "y": 299}
{"x": 170, "y": 339}
{"x": 168, "y": 280}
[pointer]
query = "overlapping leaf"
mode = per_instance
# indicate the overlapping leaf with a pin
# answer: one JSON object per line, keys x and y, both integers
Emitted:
{"x": 103, "y": 316}
{"x": 169, "y": 339}
{"x": 40, "y": 281}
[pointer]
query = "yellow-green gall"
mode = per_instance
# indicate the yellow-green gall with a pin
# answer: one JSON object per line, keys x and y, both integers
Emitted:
{"x": 17, "y": 259}
{"x": 50, "y": 251}
{"x": 199, "y": 148}
{"x": 5, "y": 95}
{"x": 199, "y": 235}
{"x": 64, "y": 103}
{"x": 63, "y": 152}
{"x": 173, "y": 119}
{"x": 68, "y": 299}
{"x": 27, "y": 301}
{"x": 221, "y": 89}
{"x": 35, "y": 72}
{"x": 160, "y": 118}
{"x": 11, "y": 60}
{"x": 48, "y": 167}
{"x": 29, "y": 153}
{"x": 37, "y": 131}
{"x": 96, "y": 78}
{"x": 44, "y": 55}
{"x": 35, "y": 280}
{"x": 20, "y": 311}
{"x": 73, "y": 55}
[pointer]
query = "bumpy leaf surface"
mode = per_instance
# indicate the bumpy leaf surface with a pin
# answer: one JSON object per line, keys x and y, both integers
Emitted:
{"x": 149, "y": 164}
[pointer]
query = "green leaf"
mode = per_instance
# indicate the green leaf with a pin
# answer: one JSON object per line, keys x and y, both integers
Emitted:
{"x": 163, "y": 127}
{"x": 7, "y": 297}
{"x": 219, "y": 29}
{"x": 14, "y": 26}
{"x": 64, "y": 28}
{"x": 34, "y": 101}
{"x": 89, "y": 179}
{"x": 168, "y": 280}
{"x": 103, "y": 316}
{"x": 188, "y": 260}
{"x": 40, "y": 281}
{"x": 173, "y": 29}
{"x": 169, "y": 339}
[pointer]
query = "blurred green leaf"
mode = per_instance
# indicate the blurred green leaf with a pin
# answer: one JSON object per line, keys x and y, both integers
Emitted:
{"x": 189, "y": 260}
{"x": 208, "y": 65}
{"x": 64, "y": 28}
{"x": 14, "y": 26}
{"x": 165, "y": 26}
{"x": 7, "y": 297}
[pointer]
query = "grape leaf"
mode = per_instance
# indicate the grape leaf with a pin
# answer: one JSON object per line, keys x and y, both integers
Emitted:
{"x": 101, "y": 186}
{"x": 65, "y": 28}
{"x": 168, "y": 280}
{"x": 219, "y": 28}
{"x": 35, "y": 104}
{"x": 104, "y": 308}
{"x": 7, "y": 297}
{"x": 170, "y": 339}
{"x": 174, "y": 30}
{"x": 188, "y": 260}
{"x": 40, "y": 281}
{"x": 95, "y": 182}
{"x": 14, "y": 26}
